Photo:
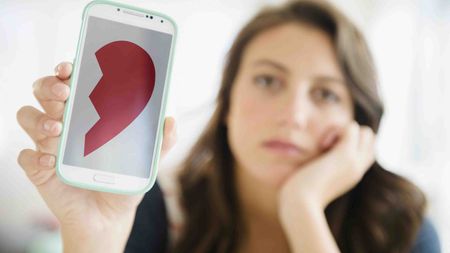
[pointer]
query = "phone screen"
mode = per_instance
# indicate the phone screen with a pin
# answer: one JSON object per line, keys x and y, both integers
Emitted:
{"x": 118, "y": 97}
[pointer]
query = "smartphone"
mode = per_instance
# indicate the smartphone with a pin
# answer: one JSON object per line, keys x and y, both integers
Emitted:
{"x": 114, "y": 117}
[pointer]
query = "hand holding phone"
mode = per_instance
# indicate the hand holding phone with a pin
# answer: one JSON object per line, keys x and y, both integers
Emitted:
{"x": 95, "y": 221}
{"x": 348, "y": 154}
{"x": 78, "y": 210}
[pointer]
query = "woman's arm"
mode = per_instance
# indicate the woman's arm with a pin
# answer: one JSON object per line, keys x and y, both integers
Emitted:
{"x": 307, "y": 229}
{"x": 111, "y": 238}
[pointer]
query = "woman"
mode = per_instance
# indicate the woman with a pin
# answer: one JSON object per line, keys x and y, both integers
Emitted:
{"x": 286, "y": 163}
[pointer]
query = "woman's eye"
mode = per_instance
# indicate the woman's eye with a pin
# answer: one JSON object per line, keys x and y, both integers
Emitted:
{"x": 327, "y": 96}
{"x": 267, "y": 81}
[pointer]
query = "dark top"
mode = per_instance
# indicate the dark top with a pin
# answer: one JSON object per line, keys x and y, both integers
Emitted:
{"x": 150, "y": 228}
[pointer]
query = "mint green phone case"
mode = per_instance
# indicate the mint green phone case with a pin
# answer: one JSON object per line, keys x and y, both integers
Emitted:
{"x": 159, "y": 135}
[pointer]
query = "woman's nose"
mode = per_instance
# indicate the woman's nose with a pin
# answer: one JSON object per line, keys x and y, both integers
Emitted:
{"x": 296, "y": 110}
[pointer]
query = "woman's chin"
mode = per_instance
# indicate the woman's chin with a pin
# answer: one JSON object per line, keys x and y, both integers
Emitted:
{"x": 274, "y": 175}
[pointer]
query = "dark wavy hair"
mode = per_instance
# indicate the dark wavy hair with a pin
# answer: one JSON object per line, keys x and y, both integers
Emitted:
{"x": 382, "y": 213}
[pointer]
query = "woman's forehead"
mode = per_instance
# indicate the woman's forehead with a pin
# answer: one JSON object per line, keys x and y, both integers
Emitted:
{"x": 295, "y": 46}
{"x": 303, "y": 36}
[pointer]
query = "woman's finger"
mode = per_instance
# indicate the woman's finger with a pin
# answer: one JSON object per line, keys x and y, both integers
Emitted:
{"x": 48, "y": 145}
{"x": 63, "y": 70}
{"x": 348, "y": 141}
{"x": 36, "y": 124}
{"x": 39, "y": 167}
{"x": 366, "y": 147}
{"x": 54, "y": 109}
{"x": 365, "y": 134}
{"x": 50, "y": 88}
{"x": 52, "y": 91}
{"x": 170, "y": 135}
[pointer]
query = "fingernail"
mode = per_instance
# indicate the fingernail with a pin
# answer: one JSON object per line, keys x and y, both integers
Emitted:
{"x": 51, "y": 126}
{"x": 328, "y": 140}
{"x": 47, "y": 160}
{"x": 59, "y": 89}
{"x": 47, "y": 125}
{"x": 58, "y": 70}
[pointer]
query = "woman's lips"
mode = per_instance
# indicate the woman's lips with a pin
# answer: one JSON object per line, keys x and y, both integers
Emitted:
{"x": 283, "y": 147}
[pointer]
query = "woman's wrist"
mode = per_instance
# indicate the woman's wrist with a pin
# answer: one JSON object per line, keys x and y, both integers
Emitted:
{"x": 294, "y": 206}
{"x": 292, "y": 198}
{"x": 305, "y": 225}
{"x": 109, "y": 237}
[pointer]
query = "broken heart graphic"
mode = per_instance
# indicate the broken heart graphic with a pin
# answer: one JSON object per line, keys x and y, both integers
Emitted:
{"x": 122, "y": 93}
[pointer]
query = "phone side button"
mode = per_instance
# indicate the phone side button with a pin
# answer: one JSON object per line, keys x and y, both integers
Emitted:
{"x": 104, "y": 179}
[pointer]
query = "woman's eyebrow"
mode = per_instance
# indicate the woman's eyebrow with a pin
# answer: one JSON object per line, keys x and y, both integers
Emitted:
{"x": 274, "y": 64}
{"x": 329, "y": 79}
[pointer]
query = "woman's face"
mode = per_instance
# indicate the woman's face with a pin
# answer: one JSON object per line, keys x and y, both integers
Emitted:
{"x": 288, "y": 94}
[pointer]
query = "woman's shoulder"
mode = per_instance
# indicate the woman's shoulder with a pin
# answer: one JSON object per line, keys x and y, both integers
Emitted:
{"x": 427, "y": 240}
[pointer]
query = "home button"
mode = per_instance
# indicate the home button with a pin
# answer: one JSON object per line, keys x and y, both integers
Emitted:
{"x": 104, "y": 179}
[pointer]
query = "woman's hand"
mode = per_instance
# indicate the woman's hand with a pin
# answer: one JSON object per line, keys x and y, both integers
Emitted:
{"x": 304, "y": 196}
{"x": 83, "y": 214}
{"x": 336, "y": 171}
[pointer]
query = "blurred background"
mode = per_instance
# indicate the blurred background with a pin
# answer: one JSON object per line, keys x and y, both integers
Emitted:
{"x": 410, "y": 40}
